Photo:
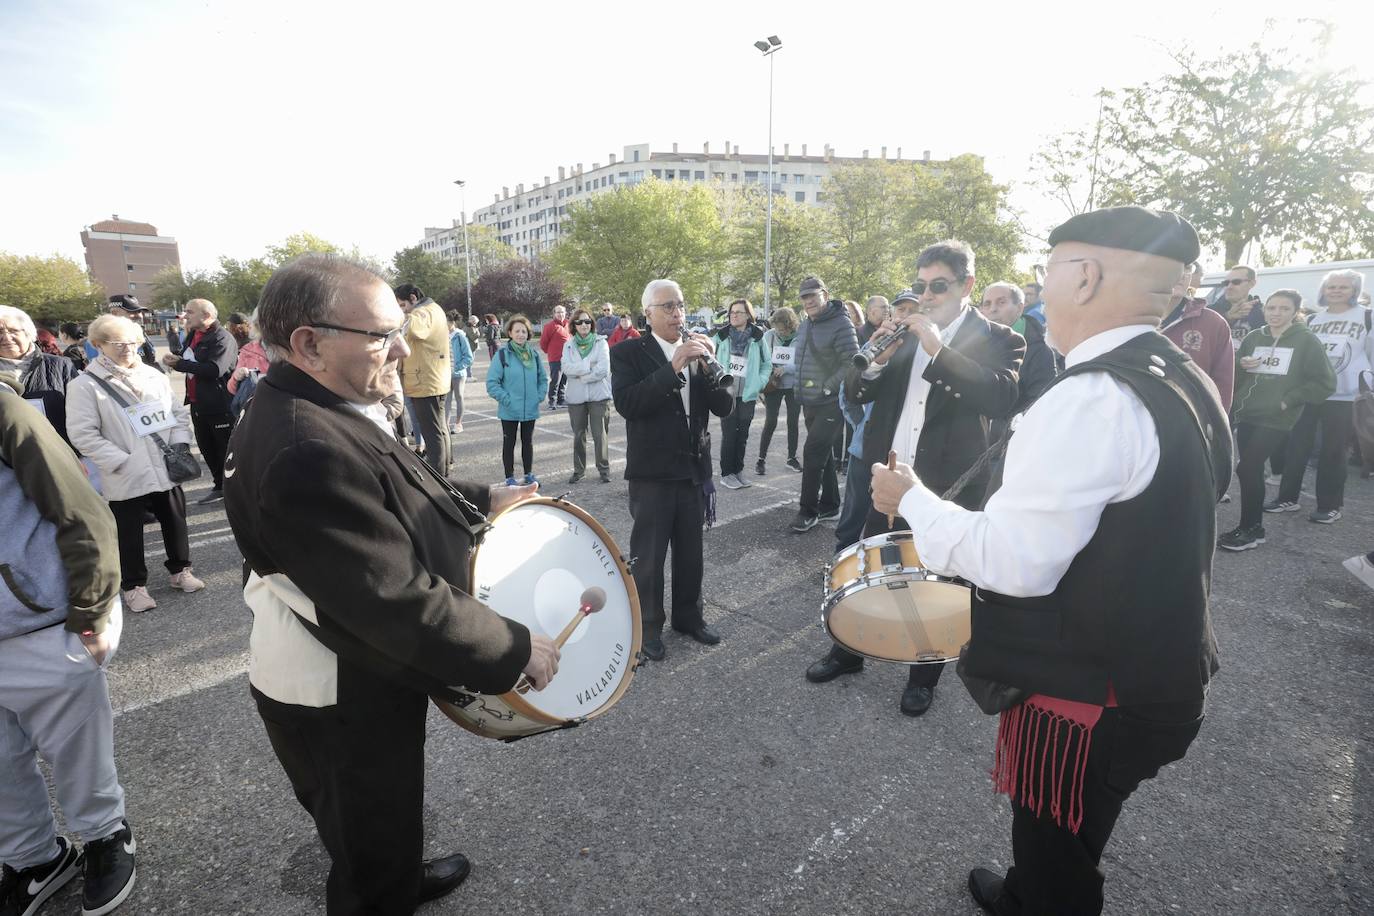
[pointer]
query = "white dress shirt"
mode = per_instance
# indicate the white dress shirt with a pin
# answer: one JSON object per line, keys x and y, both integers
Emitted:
{"x": 907, "y": 434}
{"x": 1086, "y": 443}
{"x": 669, "y": 348}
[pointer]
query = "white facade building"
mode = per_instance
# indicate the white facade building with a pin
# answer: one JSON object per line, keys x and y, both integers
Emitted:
{"x": 530, "y": 220}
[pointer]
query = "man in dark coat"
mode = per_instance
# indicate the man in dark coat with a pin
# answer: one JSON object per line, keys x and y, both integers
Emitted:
{"x": 208, "y": 361}
{"x": 659, "y": 387}
{"x": 1004, "y": 303}
{"x": 356, "y": 569}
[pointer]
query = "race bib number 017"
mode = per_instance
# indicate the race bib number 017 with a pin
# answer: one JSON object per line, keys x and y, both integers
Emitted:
{"x": 150, "y": 417}
{"x": 782, "y": 356}
{"x": 1273, "y": 362}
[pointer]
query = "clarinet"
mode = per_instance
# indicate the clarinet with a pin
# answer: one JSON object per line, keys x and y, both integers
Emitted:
{"x": 864, "y": 357}
{"x": 715, "y": 373}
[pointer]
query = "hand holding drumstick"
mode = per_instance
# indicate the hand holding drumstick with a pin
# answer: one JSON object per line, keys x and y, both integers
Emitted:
{"x": 542, "y": 648}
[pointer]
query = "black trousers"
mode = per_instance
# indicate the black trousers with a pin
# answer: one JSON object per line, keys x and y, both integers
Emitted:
{"x": 820, "y": 480}
{"x": 771, "y": 402}
{"x": 1056, "y": 871}
{"x": 1253, "y": 445}
{"x": 927, "y": 675}
{"x": 432, "y": 429}
{"x": 558, "y": 382}
{"x": 358, "y": 768}
{"x": 667, "y": 513}
{"x": 212, "y": 438}
{"x": 1337, "y": 422}
{"x": 508, "y": 430}
{"x": 734, "y": 437}
{"x": 169, "y": 506}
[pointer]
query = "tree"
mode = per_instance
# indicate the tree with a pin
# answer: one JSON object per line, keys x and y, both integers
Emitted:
{"x": 432, "y": 274}
{"x": 527, "y": 287}
{"x": 799, "y": 246}
{"x": 870, "y": 203}
{"x": 488, "y": 250}
{"x": 172, "y": 289}
{"x": 54, "y": 287}
{"x": 1075, "y": 169}
{"x": 240, "y": 283}
{"x": 1266, "y": 144}
{"x": 959, "y": 200}
{"x": 293, "y": 246}
{"x": 617, "y": 242}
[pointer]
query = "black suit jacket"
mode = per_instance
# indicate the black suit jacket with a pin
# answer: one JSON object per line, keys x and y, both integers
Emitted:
{"x": 972, "y": 380}
{"x": 661, "y": 443}
{"x": 372, "y": 536}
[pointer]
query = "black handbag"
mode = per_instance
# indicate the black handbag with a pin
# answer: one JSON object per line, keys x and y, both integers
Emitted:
{"x": 182, "y": 466}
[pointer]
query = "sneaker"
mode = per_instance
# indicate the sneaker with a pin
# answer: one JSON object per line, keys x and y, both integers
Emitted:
{"x": 1361, "y": 569}
{"x": 22, "y": 892}
{"x": 530, "y": 478}
{"x": 828, "y": 516}
{"x": 109, "y": 872}
{"x": 458, "y": 428}
{"x": 794, "y": 464}
{"x": 574, "y": 478}
{"x": 138, "y": 600}
{"x": 760, "y": 467}
{"x": 742, "y": 482}
{"x": 730, "y": 482}
{"x": 1242, "y": 538}
{"x": 187, "y": 582}
{"x": 1325, "y": 518}
{"x": 510, "y": 482}
{"x": 1281, "y": 505}
{"x": 605, "y": 476}
{"x": 804, "y": 521}
{"x": 214, "y": 496}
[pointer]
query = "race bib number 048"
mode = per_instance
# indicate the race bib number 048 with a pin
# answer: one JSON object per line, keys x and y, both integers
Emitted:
{"x": 1273, "y": 361}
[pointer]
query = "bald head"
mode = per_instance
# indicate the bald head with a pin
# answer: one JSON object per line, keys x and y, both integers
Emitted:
{"x": 200, "y": 314}
{"x": 1090, "y": 289}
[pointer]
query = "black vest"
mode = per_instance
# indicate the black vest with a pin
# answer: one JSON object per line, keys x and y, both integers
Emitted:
{"x": 1132, "y": 609}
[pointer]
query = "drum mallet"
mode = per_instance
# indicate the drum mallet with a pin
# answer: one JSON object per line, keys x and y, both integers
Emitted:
{"x": 891, "y": 466}
{"x": 593, "y": 600}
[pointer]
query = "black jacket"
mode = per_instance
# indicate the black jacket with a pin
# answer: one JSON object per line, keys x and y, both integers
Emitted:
{"x": 46, "y": 381}
{"x": 316, "y": 491}
{"x": 1038, "y": 369}
{"x": 215, "y": 355}
{"x": 660, "y": 442}
{"x": 825, "y": 350}
{"x": 973, "y": 380}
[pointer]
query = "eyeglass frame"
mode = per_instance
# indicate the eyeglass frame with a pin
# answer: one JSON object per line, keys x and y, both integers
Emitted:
{"x": 948, "y": 284}
{"x": 677, "y": 305}
{"x": 388, "y": 338}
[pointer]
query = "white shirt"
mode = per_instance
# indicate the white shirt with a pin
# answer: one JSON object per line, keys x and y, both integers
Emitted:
{"x": 1086, "y": 443}
{"x": 377, "y": 414}
{"x": 907, "y": 434}
{"x": 669, "y": 348}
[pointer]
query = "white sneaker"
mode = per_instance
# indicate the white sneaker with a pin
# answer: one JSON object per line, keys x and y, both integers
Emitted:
{"x": 187, "y": 582}
{"x": 729, "y": 482}
{"x": 1361, "y": 569}
{"x": 138, "y": 600}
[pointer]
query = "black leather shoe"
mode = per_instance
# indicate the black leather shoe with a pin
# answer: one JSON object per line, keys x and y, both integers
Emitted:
{"x": 830, "y": 667}
{"x": 916, "y": 700}
{"x": 442, "y": 875}
{"x": 985, "y": 886}
{"x": 653, "y": 650}
{"x": 704, "y": 635}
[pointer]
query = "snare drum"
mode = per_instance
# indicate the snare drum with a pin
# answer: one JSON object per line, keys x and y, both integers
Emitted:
{"x": 883, "y": 604}
{"x": 532, "y": 566}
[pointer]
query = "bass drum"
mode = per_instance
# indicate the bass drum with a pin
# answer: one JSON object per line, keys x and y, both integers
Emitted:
{"x": 533, "y": 566}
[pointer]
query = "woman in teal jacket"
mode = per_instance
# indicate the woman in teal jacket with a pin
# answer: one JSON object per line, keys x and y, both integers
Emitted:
{"x": 461, "y": 351}
{"x": 517, "y": 381}
{"x": 740, "y": 346}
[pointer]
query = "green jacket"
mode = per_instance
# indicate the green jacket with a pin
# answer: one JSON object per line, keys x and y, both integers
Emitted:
{"x": 1294, "y": 371}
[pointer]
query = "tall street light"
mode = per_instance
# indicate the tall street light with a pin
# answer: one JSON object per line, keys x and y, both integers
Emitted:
{"x": 467, "y": 252}
{"x": 769, "y": 47}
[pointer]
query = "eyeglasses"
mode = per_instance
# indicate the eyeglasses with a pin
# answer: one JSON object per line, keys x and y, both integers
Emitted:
{"x": 586, "y": 321}
{"x": 388, "y": 338}
{"x": 122, "y": 344}
{"x": 670, "y": 306}
{"x": 1237, "y": 281}
{"x": 938, "y": 287}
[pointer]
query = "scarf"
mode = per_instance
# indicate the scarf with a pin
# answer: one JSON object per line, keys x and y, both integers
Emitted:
{"x": 739, "y": 340}
{"x": 585, "y": 344}
{"x": 19, "y": 367}
{"x": 522, "y": 351}
{"x": 126, "y": 376}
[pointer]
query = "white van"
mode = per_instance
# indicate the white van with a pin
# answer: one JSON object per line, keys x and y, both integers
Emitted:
{"x": 1305, "y": 278}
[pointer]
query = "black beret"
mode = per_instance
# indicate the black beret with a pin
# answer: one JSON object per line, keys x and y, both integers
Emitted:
{"x": 1156, "y": 232}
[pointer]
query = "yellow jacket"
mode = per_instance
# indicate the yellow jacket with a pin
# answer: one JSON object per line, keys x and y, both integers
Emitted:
{"x": 427, "y": 371}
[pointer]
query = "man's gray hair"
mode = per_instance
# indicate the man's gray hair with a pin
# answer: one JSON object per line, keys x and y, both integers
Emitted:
{"x": 303, "y": 292}
{"x": 1354, "y": 276}
{"x": 21, "y": 316}
{"x": 654, "y": 286}
{"x": 207, "y": 305}
{"x": 1018, "y": 295}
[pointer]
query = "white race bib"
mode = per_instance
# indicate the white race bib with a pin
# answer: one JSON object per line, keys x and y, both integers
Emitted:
{"x": 150, "y": 417}
{"x": 738, "y": 365}
{"x": 37, "y": 404}
{"x": 1273, "y": 361}
{"x": 782, "y": 356}
{"x": 188, "y": 355}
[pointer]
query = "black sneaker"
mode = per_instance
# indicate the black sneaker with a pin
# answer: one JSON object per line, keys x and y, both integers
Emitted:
{"x": 794, "y": 464}
{"x": 804, "y": 521}
{"x": 1325, "y": 518}
{"x": 23, "y": 892}
{"x": 1280, "y": 505}
{"x": 213, "y": 496}
{"x": 1242, "y": 538}
{"x": 760, "y": 468}
{"x": 828, "y": 516}
{"x": 109, "y": 873}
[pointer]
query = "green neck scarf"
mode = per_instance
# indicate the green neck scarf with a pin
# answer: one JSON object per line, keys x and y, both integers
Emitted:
{"x": 522, "y": 350}
{"x": 1019, "y": 325}
{"x": 585, "y": 344}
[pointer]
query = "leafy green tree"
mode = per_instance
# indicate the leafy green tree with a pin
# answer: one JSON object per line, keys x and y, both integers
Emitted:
{"x": 240, "y": 283}
{"x": 54, "y": 287}
{"x": 432, "y": 274}
{"x": 173, "y": 289}
{"x": 799, "y": 249}
{"x": 1268, "y": 144}
{"x": 959, "y": 200}
{"x": 869, "y": 204}
{"x": 293, "y": 246}
{"x": 619, "y": 241}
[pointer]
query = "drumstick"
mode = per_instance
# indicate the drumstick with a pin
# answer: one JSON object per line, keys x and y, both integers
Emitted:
{"x": 891, "y": 466}
{"x": 593, "y": 600}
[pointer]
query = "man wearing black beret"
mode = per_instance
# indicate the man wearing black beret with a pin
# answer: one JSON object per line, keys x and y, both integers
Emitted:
{"x": 1090, "y": 628}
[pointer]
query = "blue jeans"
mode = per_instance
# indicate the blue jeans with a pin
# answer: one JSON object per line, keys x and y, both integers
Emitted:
{"x": 857, "y": 503}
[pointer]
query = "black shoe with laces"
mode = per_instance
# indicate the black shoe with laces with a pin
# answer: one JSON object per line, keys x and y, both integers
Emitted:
{"x": 760, "y": 467}
{"x": 22, "y": 892}
{"x": 109, "y": 872}
{"x": 1242, "y": 538}
{"x": 794, "y": 464}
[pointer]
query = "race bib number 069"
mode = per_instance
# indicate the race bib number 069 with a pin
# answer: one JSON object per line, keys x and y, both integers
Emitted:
{"x": 782, "y": 356}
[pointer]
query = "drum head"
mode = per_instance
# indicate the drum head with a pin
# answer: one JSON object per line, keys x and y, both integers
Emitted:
{"x": 533, "y": 565}
{"x": 902, "y": 618}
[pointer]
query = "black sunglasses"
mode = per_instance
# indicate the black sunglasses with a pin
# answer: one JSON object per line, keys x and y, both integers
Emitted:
{"x": 583, "y": 321}
{"x": 938, "y": 287}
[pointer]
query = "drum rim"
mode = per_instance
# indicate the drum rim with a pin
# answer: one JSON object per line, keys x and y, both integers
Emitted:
{"x": 851, "y": 587}
{"x": 514, "y": 700}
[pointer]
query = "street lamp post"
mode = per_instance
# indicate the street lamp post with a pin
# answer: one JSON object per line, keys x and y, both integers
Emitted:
{"x": 467, "y": 252}
{"x": 768, "y": 47}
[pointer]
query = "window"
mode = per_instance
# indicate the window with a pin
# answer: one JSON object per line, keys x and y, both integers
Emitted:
{"x": 782, "y": 178}
{"x": 132, "y": 287}
{"x": 639, "y": 174}
{"x": 820, "y": 197}
{"x": 657, "y": 173}
{"x": 799, "y": 179}
{"x": 128, "y": 267}
{"x": 610, "y": 179}
{"x": 636, "y": 154}
{"x": 624, "y": 175}
{"x": 701, "y": 176}
{"x": 751, "y": 176}
{"x": 801, "y": 197}
{"x": 670, "y": 173}
{"x": 734, "y": 176}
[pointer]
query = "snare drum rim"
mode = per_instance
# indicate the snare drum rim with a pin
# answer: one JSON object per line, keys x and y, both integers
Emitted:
{"x": 869, "y": 580}
{"x": 514, "y": 700}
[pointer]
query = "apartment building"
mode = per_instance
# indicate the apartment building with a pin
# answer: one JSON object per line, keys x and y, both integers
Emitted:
{"x": 124, "y": 256}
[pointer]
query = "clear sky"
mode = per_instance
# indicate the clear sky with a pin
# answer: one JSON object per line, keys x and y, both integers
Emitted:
{"x": 230, "y": 125}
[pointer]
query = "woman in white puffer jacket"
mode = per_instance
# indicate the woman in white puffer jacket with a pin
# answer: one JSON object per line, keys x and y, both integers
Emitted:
{"x": 131, "y": 464}
{"x": 587, "y": 366}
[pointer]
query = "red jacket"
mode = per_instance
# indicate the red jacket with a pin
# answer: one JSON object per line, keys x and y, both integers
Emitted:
{"x": 620, "y": 334}
{"x": 1205, "y": 336}
{"x": 553, "y": 338}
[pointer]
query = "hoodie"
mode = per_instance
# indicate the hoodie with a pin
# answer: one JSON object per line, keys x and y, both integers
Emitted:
{"x": 1293, "y": 371}
{"x": 1205, "y": 335}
